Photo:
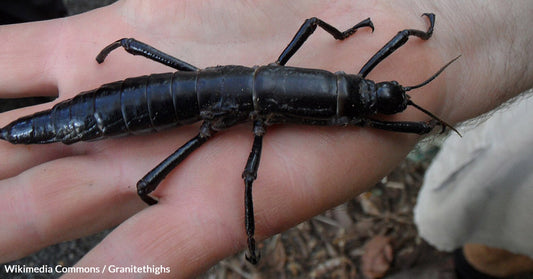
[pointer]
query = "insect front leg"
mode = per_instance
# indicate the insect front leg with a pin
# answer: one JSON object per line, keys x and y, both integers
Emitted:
{"x": 308, "y": 27}
{"x": 152, "y": 179}
{"x": 402, "y": 126}
{"x": 139, "y": 48}
{"x": 396, "y": 42}
{"x": 249, "y": 175}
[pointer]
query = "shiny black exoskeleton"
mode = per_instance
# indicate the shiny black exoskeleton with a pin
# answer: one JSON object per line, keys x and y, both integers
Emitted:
{"x": 224, "y": 96}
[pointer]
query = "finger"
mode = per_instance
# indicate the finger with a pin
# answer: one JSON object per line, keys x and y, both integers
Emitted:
{"x": 18, "y": 158}
{"x": 26, "y": 71}
{"x": 42, "y": 58}
{"x": 153, "y": 238}
{"x": 62, "y": 200}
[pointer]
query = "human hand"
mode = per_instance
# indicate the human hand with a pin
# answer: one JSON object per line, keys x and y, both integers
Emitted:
{"x": 55, "y": 192}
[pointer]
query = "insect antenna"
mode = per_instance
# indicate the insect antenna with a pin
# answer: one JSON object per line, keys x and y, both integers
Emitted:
{"x": 409, "y": 102}
{"x": 432, "y": 77}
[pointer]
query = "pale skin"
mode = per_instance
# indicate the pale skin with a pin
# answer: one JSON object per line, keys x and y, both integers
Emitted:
{"x": 52, "y": 193}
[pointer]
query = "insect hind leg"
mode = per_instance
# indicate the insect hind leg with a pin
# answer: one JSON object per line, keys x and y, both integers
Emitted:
{"x": 139, "y": 48}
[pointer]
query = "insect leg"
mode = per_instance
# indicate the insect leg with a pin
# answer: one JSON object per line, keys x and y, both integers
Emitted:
{"x": 249, "y": 175}
{"x": 139, "y": 48}
{"x": 152, "y": 179}
{"x": 401, "y": 126}
{"x": 308, "y": 27}
{"x": 396, "y": 42}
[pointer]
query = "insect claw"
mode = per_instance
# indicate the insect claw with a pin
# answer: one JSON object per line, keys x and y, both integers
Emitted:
{"x": 443, "y": 125}
{"x": 438, "y": 123}
{"x": 252, "y": 255}
{"x": 252, "y": 258}
{"x": 103, "y": 54}
{"x": 443, "y": 129}
{"x": 453, "y": 129}
{"x": 149, "y": 200}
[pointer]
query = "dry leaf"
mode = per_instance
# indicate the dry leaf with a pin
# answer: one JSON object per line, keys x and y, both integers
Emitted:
{"x": 378, "y": 257}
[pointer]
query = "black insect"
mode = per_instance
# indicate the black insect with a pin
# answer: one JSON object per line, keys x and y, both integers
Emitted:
{"x": 224, "y": 96}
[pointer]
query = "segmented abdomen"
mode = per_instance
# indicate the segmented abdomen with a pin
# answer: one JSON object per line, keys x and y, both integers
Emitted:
{"x": 132, "y": 106}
